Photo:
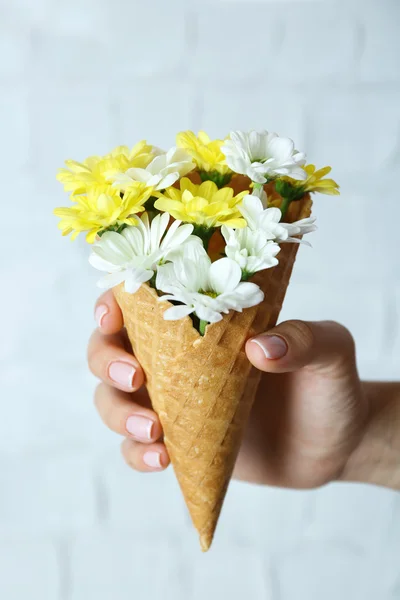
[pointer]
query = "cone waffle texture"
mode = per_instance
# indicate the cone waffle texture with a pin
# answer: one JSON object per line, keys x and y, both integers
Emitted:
{"x": 203, "y": 387}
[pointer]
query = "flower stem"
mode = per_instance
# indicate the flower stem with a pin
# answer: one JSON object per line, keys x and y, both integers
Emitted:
{"x": 149, "y": 206}
{"x": 152, "y": 282}
{"x": 220, "y": 179}
{"x": 202, "y": 327}
{"x": 204, "y": 233}
{"x": 285, "y": 206}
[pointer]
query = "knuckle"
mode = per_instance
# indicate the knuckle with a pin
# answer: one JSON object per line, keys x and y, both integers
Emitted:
{"x": 103, "y": 400}
{"x": 98, "y": 394}
{"x": 92, "y": 351}
{"x": 343, "y": 336}
{"x": 301, "y": 333}
{"x": 128, "y": 455}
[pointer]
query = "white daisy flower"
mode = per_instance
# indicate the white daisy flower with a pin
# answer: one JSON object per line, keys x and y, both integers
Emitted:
{"x": 204, "y": 288}
{"x": 268, "y": 221}
{"x": 263, "y": 155}
{"x": 163, "y": 171}
{"x": 299, "y": 228}
{"x": 250, "y": 249}
{"x": 132, "y": 256}
{"x": 192, "y": 249}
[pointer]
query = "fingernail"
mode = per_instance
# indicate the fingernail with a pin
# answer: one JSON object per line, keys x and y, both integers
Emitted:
{"x": 140, "y": 427}
{"x": 100, "y": 313}
{"x": 152, "y": 459}
{"x": 273, "y": 346}
{"x": 122, "y": 373}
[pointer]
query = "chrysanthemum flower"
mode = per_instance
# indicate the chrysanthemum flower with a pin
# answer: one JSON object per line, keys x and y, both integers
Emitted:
{"x": 263, "y": 155}
{"x": 291, "y": 190}
{"x": 315, "y": 181}
{"x": 207, "y": 155}
{"x": 132, "y": 256}
{"x": 204, "y": 288}
{"x": 97, "y": 170}
{"x": 252, "y": 250}
{"x": 163, "y": 171}
{"x": 101, "y": 208}
{"x": 203, "y": 205}
{"x": 268, "y": 222}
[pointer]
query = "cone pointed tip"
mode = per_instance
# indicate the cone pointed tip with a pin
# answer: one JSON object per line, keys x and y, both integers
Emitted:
{"x": 206, "y": 541}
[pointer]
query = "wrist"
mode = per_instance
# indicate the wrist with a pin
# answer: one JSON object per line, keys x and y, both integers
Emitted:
{"x": 376, "y": 459}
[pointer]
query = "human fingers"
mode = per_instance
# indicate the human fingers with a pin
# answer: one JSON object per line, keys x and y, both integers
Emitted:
{"x": 323, "y": 345}
{"x": 128, "y": 414}
{"x": 108, "y": 360}
{"x": 107, "y": 313}
{"x": 145, "y": 458}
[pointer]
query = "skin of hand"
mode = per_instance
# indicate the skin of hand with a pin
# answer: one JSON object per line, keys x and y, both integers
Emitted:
{"x": 310, "y": 418}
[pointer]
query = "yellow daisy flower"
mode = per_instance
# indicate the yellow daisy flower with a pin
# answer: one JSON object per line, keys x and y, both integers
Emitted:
{"x": 292, "y": 189}
{"x": 207, "y": 155}
{"x": 102, "y": 208}
{"x": 78, "y": 178}
{"x": 204, "y": 205}
{"x": 314, "y": 182}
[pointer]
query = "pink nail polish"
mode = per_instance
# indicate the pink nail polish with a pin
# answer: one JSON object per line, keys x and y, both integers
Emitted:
{"x": 152, "y": 459}
{"x": 100, "y": 313}
{"x": 122, "y": 374}
{"x": 140, "y": 427}
{"x": 273, "y": 346}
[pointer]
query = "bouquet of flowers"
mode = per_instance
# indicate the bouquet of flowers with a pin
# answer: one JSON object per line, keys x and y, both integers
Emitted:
{"x": 198, "y": 244}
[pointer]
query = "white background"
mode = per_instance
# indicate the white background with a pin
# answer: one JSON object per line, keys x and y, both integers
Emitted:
{"x": 77, "y": 78}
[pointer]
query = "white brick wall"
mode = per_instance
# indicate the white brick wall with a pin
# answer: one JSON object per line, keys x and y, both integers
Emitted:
{"x": 79, "y": 77}
{"x": 27, "y": 567}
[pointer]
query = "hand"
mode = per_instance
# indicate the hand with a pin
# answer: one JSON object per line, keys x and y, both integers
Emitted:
{"x": 308, "y": 417}
{"x": 121, "y": 399}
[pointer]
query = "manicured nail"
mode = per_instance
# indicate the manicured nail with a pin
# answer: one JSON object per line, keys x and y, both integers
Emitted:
{"x": 122, "y": 373}
{"x": 100, "y": 313}
{"x": 152, "y": 459}
{"x": 273, "y": 346}
{"x": 139, "y": 427}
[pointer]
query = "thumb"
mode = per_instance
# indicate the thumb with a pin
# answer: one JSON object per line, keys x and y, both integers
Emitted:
{"x": 324, "y": 345}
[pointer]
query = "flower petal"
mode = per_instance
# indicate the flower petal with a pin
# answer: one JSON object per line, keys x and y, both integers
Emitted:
{"x": 249, "y": 293}
{"x": 135, "y": 278}
{"x": 166, "y": 280}
{"x": 251, "y": 208}
{"x": 158, "y": 227}
{"x": 137, "y": 174}
{"x": 136, "y": 236}
{"x": 205, "y": 313}
{"x": 177, "y": 234}
{"x": 114, "y": 248}
{"x": 281, "y": 148}
{"x": 111, "y": 280}
{"x": 174, "y": 207}
{"x": 102, "y": 265}
{"x": 177, "y": 312}
{"x": 192, "y": 249}
{"x": 224, "y": 275}
{"x": 167, "y": 181}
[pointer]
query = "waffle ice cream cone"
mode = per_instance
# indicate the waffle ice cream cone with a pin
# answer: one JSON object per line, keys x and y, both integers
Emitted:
{"x": 203, "y": 387}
